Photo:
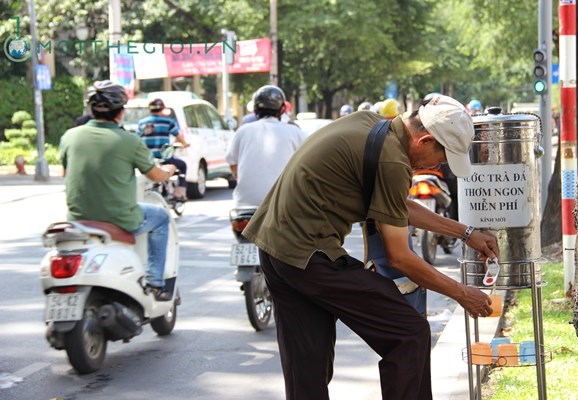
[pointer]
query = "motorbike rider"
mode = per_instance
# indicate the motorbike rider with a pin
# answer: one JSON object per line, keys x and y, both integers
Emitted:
{"x": 345, "y": 109}
{"x": 390, "y": 109}
{"x": 259, "y": 151}
{"x": 376, "y": 108}
{"x": 156, "y": 131}
{"x": 475, "y": 107}
{"x": 366, "y": 105}
{"x": 99, "y": 160}
{"x": 250, "y": 117}
{"x": 287, "y": 115}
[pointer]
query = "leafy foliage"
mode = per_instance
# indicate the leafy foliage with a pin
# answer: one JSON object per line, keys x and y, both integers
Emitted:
{"x": 343, "y": 50}
{"x": 9, "y": 152}
{"x": 25, "y": 134}
{"x": 20, "y": 117}
{"x": 61, "y": 105}
{"x": 19, "y": 91}
{"x": 349, "y": 45}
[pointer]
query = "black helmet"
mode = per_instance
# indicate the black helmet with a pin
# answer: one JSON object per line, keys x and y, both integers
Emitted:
{"x": 268, "y": 97}
{"x": 156, "y": 105}
{"x": 105, "y": 96}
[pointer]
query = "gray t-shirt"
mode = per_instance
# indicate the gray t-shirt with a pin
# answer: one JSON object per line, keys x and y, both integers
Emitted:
{"x": 319, "y": 195}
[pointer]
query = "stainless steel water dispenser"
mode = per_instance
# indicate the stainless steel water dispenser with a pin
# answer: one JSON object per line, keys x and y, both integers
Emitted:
{"x": 503, "y": 195}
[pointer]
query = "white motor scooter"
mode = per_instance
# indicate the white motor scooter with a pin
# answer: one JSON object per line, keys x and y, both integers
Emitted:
{"x": 92, "y": 277}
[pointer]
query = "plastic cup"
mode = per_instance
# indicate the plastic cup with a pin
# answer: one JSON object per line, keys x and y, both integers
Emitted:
{"x": 481, "y": 353}
{"x": 497, "y": 341}
{"x": 528, "y": 352}
{"x": 507, "y": 354}
{"x": 497, "y": 300}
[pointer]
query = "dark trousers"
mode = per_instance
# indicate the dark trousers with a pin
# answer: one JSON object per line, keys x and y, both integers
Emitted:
{"x": 181, "y": 169}
{"x": 308, "y": 302}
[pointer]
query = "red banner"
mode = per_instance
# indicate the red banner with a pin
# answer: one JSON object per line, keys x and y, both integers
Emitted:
{"x": 202, "y": 59}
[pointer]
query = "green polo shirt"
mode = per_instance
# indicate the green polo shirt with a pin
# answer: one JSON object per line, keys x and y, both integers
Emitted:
{"x": 319, "y": 195}
{"x": 100, "y": 159}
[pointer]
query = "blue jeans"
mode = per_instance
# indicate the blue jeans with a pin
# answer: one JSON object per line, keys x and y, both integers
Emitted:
{"x": 156, "y": 224}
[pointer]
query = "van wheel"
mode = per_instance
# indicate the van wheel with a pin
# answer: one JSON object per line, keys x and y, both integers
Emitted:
{"x": 197, "y": 190}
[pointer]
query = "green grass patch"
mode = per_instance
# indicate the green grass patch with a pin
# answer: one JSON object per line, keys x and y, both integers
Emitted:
{"x": 560, "y": 340}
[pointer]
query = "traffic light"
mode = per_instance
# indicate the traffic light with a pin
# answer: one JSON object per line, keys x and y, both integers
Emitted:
{"x": 540, "y": 71}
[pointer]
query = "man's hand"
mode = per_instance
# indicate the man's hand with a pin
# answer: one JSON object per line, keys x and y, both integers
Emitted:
{"x": 159, "y": 174}
{"x": 181, "y": 139}
{"x": 170, "y": 169}
{"x": 485, "y": 243}
{"x": 423, "y": 218}
{"x": 234, "y": 170}
{"x": 475, "y": 302}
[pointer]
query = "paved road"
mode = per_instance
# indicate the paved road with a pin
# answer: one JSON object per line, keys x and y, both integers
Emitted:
{"x": 212, "y": 354}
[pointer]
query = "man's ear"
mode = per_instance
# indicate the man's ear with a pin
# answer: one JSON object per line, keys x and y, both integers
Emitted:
{"x": 426, "y": 139}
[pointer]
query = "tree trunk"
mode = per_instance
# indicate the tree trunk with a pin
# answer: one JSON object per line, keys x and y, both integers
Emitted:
{"x": 328, "y": 103}
{"x": 551, "y": 224}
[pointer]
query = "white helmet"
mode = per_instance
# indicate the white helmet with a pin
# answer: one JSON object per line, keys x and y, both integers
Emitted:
{"x": 377, "y": 107}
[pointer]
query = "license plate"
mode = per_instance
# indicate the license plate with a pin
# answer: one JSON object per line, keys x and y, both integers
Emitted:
{"x": 244, "y": 254}
{"x": 64, "y": 307}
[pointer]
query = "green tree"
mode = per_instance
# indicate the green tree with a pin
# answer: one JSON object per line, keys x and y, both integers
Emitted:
{"x": 466, "y": 48}
{"x": 350, "y": 45}
{"x": 493, "y": 48}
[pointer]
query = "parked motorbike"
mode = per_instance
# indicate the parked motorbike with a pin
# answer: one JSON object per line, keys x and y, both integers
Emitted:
{"x": 92, "y": 277}
{"x": 245, "y": 256}
{"x": 429, "y": 190}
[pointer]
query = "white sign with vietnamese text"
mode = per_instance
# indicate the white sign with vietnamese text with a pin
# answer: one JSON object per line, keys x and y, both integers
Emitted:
{"x": 496, "y": 196}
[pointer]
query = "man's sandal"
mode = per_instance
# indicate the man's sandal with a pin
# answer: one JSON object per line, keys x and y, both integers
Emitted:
{"x": 159, "y": 293}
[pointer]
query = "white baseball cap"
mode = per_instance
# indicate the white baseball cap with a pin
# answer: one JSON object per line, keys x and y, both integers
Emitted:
{"x": 451, "y": 125}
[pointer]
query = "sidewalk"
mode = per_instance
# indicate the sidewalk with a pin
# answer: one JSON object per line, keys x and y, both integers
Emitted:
{"x": 8, "y": 176}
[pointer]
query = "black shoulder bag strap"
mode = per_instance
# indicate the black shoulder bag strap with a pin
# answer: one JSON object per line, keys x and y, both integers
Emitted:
{"x": 373, "y": 147}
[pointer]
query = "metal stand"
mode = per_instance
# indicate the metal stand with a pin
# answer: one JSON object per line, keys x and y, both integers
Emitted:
{"x": 476, "y": 390}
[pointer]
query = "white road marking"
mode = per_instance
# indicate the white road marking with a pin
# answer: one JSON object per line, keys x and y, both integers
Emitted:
{"x": 29, "y": 370}
{"x": 9, "y": 380}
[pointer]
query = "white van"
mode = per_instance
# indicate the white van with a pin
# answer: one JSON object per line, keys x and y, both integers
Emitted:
{"x": 533, "y": 108}
{"x": 204, "y": 129}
